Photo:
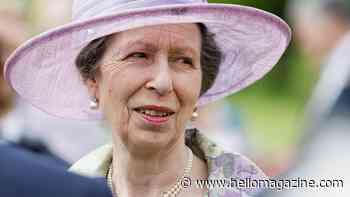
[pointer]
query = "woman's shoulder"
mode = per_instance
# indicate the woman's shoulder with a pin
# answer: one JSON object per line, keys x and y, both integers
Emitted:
{"x": 223, "y": 165}
{"x": 94, "y": 164}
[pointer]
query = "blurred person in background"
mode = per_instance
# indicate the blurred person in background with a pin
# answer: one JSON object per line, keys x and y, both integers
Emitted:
{"x": 319, "y": 25}
{"x": 13, "y": 32}
{"x": 146, "y": 89}
{"x": 23, "y": 173}
{"x": 24, "y": 124}
{"x": 27, "y": 167}
{"x": 323, "y": 30}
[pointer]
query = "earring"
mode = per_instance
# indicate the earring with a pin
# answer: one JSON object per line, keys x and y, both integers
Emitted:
{"x": 93, "y": 103}
{"x": 194, "y": 114}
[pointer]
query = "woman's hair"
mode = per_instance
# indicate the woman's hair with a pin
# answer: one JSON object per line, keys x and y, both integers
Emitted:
{"x": 210, "y": 58}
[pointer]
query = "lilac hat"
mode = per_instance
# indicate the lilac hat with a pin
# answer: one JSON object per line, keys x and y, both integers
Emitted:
{"x": 43, "y": 70}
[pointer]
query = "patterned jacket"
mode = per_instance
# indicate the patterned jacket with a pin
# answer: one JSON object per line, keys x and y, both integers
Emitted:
{"x": 238, "y": 172}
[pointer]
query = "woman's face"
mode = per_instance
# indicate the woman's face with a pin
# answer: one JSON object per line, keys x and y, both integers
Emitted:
{"x": 149, "y": 83}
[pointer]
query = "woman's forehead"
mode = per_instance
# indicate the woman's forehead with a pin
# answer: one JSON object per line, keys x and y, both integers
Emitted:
{"x": 174, "y": 36}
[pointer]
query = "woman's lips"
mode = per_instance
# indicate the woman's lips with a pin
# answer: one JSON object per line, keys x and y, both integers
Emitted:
{"x": 155, "y": 120}
{"x": 154, "y": 117}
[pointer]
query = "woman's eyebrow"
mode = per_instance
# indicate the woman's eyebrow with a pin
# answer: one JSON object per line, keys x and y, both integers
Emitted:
{"x": 184, "y": 51}
{"x": 144, "y": 45}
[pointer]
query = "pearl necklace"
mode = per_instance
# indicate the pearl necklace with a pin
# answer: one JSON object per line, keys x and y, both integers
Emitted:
{"x": 173, "y": 191}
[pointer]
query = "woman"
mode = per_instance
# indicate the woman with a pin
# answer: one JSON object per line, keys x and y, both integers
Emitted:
{"x": 145, "y": 66}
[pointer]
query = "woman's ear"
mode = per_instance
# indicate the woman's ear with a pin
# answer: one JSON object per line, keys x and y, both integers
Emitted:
{"x": 93, "y": 88}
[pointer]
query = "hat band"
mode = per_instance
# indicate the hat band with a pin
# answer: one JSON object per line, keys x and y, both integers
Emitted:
{"x": 98, "y": 8}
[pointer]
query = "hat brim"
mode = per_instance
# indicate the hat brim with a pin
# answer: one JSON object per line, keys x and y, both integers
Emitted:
{"x": 43, "y": 70}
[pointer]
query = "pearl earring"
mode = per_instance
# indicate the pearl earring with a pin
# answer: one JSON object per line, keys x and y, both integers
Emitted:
{"x": 194, "y": 115}
{"x": 93, "y": 103}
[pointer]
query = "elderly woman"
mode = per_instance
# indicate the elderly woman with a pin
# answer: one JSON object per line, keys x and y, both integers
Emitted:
{"x": 144, "y": 67}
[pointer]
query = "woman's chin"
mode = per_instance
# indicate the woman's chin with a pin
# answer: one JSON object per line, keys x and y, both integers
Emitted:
{"x": 149, "y": 141}
{"x": 141, "y": 136}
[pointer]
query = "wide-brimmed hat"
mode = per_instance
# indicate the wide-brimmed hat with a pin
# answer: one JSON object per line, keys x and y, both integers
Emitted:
{"x": 43, "y": 70}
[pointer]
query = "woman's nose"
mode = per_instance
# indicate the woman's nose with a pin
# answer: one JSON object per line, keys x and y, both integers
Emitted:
{"x": 161, "y": 81}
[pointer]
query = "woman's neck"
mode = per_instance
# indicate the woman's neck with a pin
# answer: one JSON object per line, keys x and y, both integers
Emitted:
{"x": 141, "y": 174}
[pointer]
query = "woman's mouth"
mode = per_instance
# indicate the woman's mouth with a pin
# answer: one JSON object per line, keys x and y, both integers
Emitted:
{"x": 154, "y": 114}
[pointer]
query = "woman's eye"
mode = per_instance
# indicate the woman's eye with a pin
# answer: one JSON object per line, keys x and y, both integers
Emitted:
{"x": 185, "y": 60}
{"x": 136, "y": 55}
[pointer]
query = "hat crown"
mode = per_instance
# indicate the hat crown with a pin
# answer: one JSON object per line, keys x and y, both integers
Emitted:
{"x": 83, "y": 9}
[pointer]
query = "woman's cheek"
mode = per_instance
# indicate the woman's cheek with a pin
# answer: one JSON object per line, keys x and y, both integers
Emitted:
{"x": 188, "y": 92}
{"x": 118, "y": 97}
{"x": 117, "y": 115}
{"x": 108, "y": 102}
{"x": 122, "y": 123}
